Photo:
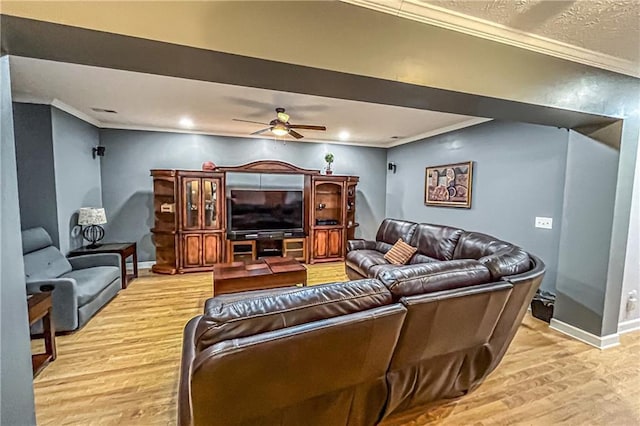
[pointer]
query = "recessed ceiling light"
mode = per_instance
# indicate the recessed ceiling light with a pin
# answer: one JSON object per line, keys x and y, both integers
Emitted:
{"x": 108, "y": 111}
{"x": 186, "y": 122}
{"x": 344, "y": 135}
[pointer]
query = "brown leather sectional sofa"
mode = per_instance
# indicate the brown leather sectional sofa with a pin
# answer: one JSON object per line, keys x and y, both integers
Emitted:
{"x": 354, "y": 353}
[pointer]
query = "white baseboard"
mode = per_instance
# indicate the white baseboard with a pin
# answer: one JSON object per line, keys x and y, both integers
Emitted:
{"x": 629, "y": 326}
{"x": 146, "y": 265}
{"x": 600, "y": 342}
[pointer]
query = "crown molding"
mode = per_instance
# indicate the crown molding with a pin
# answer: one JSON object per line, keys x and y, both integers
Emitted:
{"x": 457, "y": 126}
{"x": 115, "y": 126}
{"x": 76, "y": 113}
{"x": 448, "y": 19}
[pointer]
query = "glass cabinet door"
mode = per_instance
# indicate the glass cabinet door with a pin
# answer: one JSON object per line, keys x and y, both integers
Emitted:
{"x": 191, "y": 213}
{"x": 210, "y": 195}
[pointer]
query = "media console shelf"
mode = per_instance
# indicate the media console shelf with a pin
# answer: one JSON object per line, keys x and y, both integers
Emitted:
{"x": 253, "y": 249}
{"x": 190, "y": 227}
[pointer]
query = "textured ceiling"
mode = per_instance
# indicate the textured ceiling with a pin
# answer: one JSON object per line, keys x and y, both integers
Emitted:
{"x": 611, "y": 27}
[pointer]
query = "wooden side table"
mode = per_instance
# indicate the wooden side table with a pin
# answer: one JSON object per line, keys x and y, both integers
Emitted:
{"x": 40, "y": 308}
{"x": 123, "y": 249}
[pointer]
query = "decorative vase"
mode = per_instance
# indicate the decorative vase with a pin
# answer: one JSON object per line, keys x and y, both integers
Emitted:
{"x": 209, "y": 166}
{"x": 328, "y": 170}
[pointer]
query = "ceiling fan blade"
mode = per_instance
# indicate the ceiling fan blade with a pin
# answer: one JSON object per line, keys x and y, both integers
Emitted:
{"x": 295, "y": 134}
{"x": 261, "y": 131}
{"x": 249, "y": 121}
{"x": 307, "y": 126}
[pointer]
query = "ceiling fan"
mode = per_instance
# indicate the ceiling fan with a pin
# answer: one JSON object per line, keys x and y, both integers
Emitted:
{"x": 280, "y": 126}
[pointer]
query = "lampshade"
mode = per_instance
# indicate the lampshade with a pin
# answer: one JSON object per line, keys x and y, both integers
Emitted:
{"x": 91, "y": 216}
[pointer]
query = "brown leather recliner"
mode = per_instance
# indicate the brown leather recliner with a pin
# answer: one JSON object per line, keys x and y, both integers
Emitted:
{"x": 312, "y": 355}
{"x": 481, "y": 287}
{"x": 353, "y": 353}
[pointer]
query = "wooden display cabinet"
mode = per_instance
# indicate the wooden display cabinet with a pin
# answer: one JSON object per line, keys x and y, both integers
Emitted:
{"x": 190, "y": 218}
{"x": 189, "y": 211}
{"x": 332, "y": 210}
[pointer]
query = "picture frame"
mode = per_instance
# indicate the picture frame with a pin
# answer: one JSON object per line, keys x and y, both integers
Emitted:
{"x": 449, "y": 185}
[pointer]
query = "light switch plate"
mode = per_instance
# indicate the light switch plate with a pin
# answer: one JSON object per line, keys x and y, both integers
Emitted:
{"x": 544, "y": 222}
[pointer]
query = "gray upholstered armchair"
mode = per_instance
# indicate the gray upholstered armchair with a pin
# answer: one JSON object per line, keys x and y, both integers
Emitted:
{"x": 80, "y": 285}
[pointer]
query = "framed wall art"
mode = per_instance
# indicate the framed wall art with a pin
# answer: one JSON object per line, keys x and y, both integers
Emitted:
{"x": 449, "y": 185}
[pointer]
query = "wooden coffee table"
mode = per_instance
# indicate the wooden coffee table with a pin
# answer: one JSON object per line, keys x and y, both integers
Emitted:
{"x": 262, "y": 274}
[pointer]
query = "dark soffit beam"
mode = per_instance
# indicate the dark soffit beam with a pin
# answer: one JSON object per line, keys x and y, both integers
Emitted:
{"x": 63, "y": 43}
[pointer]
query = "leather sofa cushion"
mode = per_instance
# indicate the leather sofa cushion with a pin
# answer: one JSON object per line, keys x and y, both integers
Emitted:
{"x": 421, "y": 258}
{"x": 474, "y": 245}
{"x": 45, "y": 264}
{"x": 500, "y": 257}
{"x": 410, "y": 280}
{"x": 383, "y": 247}
{"x": 361, "y": 261}
{"x": 253, "y": 315}
{"x": 436, "y": 241}
{"x": 376, "y": 270}
{"x": 91, "y": 281}
{"x": 392, "y": 229}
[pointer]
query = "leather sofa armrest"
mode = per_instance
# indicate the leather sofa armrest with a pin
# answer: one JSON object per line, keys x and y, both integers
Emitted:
{"x": 91, "y": 260}
{"x": 184, "y": 387}
{"x": 64, "y": 299}
{"x": 506, "y": 262}
{"x": 537, "y": 270}
{"x": 360, "y": 245}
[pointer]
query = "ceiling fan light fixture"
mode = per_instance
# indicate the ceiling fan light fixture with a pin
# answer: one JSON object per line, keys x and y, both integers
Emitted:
{"x": 280, "y": 129}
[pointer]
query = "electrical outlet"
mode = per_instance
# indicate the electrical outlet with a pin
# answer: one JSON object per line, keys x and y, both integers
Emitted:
{"x": 544, "y": 222}
{"x": 632, "y": 301}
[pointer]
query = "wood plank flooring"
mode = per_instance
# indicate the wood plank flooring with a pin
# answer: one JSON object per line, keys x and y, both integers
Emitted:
{"x": 122, "y": 368}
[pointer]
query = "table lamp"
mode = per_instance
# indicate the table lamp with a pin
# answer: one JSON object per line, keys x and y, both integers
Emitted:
{"x": 91, "y": 218}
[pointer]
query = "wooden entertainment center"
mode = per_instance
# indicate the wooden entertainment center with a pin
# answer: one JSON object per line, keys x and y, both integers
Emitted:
{"x": 190, "y": 231}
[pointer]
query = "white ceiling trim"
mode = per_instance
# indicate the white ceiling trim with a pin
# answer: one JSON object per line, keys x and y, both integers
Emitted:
{"x": 233, "y": 135}
{"x": 451, "y": 20}
{"x": 440, "y": 131}
{"x": 101, "y": 125}
{"x": 78, "y": 114}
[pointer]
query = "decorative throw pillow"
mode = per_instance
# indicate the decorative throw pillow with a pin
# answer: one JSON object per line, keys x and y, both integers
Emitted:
{"x": 400, "y": 253}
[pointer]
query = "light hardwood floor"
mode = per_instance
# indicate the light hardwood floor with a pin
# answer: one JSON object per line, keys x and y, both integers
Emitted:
{"x": 122, "y": 368}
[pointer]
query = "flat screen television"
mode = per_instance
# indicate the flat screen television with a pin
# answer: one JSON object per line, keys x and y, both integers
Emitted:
{"x": 255, "y": 210}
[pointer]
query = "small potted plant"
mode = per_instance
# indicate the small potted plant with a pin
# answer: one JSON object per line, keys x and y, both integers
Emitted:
{"x": 329, "y": 159}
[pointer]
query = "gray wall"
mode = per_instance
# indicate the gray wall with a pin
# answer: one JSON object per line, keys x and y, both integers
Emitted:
{"x": 16, "y": 389}
{"x": 632, "y": 263}
{"x": 587, "y": 215}
{"x": 127, "y": 186}
{"x": 77, "y": 173}
{"x": 36, "y": 176}
{"x": 518, "y": 174}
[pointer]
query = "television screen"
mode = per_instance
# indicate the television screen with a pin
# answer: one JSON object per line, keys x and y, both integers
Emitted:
{"x": 251, "y": 210}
